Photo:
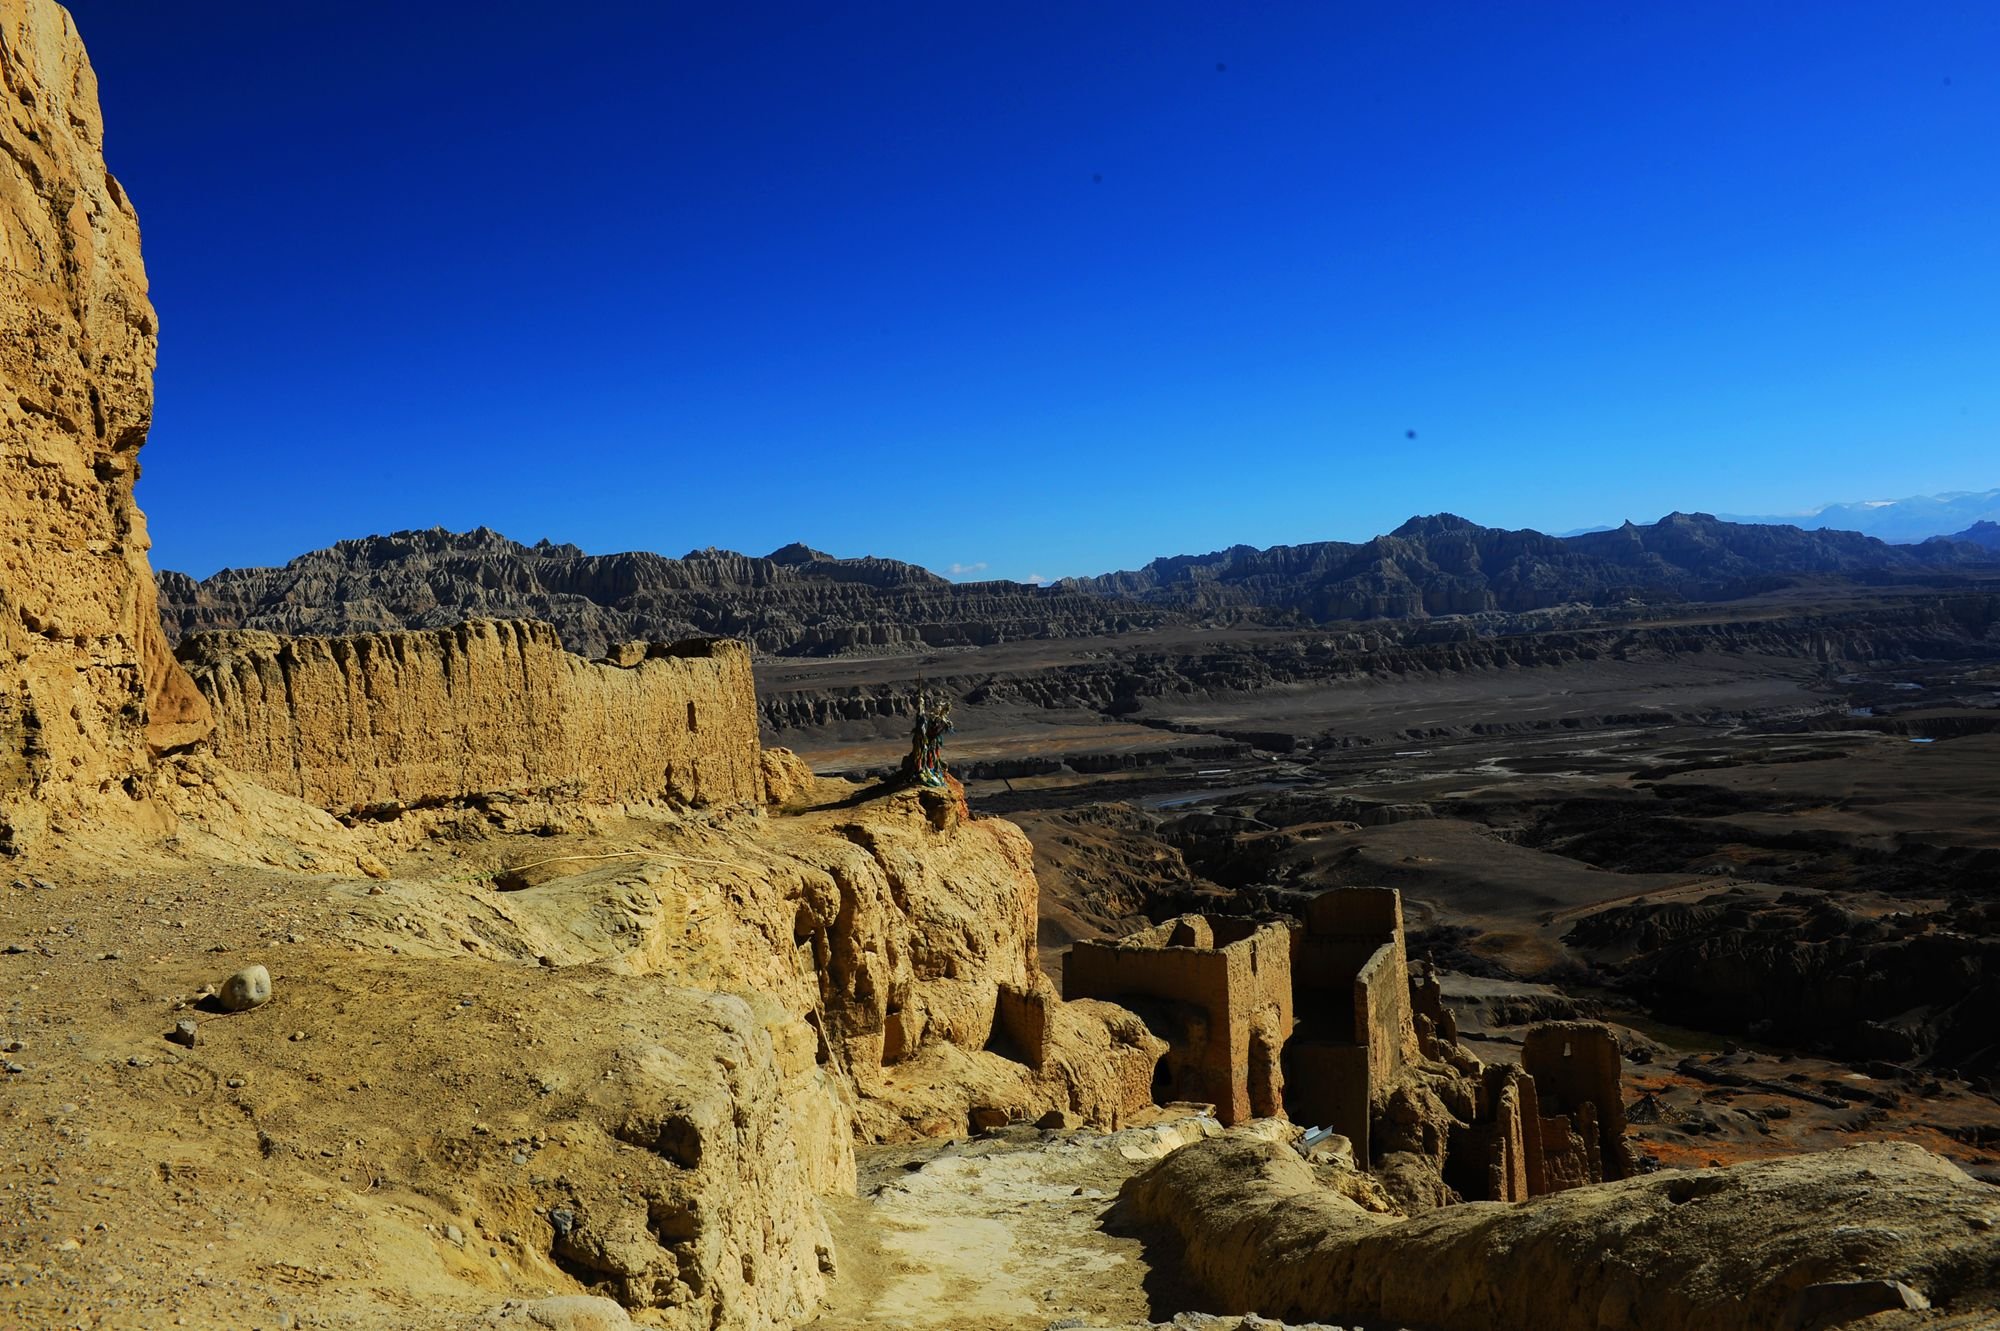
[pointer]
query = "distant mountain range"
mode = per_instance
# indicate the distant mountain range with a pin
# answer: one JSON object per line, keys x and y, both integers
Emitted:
{"x": 1446, "y": 565}
{"x": 1917, "y": 518}
{"x": 801, "y": 601}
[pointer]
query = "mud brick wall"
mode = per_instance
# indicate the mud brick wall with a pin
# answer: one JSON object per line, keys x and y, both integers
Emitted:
{"x": 1577, "y": 1067}
{"x": 1244, "y": 987}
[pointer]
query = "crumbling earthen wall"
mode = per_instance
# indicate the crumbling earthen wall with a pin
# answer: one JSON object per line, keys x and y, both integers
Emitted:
{"x": 1579, "y": 1073}
{"x": 481, "y": 707}
{"x": 1499, "y": 1156}
{"x": 89, "y": 692}
{"x": 1555, "y": 1121}
{"x": 1382, "y": 1012}
{"x": 1243, "y": 987}
{"x": 1353, "y": 936}
{"x": 1355, "y": 1028}
{"x": 1022, "y": 1018}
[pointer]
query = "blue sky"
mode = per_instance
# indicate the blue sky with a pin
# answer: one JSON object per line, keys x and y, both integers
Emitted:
{"x": 1050, "y": 288}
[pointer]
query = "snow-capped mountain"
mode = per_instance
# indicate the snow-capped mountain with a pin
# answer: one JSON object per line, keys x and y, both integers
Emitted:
{"x": 1916, "y": 518}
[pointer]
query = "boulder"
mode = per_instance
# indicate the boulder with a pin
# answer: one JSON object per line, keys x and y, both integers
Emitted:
{"x": 248, "y": 988}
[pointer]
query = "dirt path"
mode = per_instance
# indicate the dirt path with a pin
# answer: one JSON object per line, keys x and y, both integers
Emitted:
{"x": 1010, "y": 1233}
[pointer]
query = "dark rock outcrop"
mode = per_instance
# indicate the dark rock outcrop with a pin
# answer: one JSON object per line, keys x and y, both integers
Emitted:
{"x": 1123, "y": 680}
{"x": 1808, "y": 970}
{"x": 1986, "y": 535}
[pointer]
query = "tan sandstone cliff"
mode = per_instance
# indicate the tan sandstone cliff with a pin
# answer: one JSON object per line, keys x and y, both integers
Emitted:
{"x": 88, "y": 689}
{"x": 637, "y": 1081}
{"x": 480, "y": 707}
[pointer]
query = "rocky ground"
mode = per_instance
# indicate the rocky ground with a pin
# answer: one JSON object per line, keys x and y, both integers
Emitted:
{"x": 532, "y": 1061}
{"x": 1011, "y": 1231}
{"x": 616, "y": 1056}
{"x": 380, "y": 1144}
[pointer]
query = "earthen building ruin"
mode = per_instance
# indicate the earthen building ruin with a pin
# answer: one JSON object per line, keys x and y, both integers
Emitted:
{"x": 1320, "y": 1021}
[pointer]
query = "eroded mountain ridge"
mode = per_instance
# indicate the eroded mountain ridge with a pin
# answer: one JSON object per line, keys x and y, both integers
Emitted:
{"x": 797, "y": 601}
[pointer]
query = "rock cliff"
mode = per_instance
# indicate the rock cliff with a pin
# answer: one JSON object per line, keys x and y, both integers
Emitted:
{"x": 88, "y": 689}
{"x": 479, "y": 708}
{"x": 899, "y": 929}
{"x": 1806, "y": 970}
{"x": 803, "y": 602}
{"x": 800, "y": 602}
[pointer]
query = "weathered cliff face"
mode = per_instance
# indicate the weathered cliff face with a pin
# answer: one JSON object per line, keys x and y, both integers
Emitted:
{"x": 88, "y": 689}
{"x": 799, "y": 602}
{"x": 897, "y": 929}
{"x": 792, "y": 602}
{"x": 1806, "y": 970}
{"x": 483, "y": 707}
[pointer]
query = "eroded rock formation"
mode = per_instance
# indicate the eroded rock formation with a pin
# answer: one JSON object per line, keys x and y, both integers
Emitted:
{"x": 88, "y": 690}
{"x": 795, "y": 601}
{"x": 483, "y": 707}
{"x": 1133, "y": 680}
{"x": 1805, "y": 969}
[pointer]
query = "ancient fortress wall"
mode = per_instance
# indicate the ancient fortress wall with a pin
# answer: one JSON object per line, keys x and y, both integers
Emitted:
{"x": 88, "y": 690}
{"x": 1355, "y": 937}
{"x": 1238, "y": 975}
{"x": 1579, "y": 1072}
{"x": 482, "y": 707}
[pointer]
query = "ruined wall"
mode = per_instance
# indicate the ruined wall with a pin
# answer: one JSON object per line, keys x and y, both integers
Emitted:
{"x": 88, "y": 689}
{"x": 1382, "y": 1011}
{"x": 1327, "y": 1085}
{"x": 1244, "y": 986}
{"x": 1499, "y": 1157}
{"x": 1354, "y": 936}
{"x": 1356, "y": 1028}
{"x": 1555, "y": 1121}
{"x": 1579, "y": 1073}
{"x": 482, "y": 706}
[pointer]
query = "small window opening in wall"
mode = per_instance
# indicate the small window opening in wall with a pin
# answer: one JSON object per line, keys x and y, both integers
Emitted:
{"x": 691, "y": 722}
{"x": 691, "y": 725}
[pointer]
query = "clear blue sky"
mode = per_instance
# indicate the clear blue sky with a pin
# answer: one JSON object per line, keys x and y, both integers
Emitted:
{"x": 1050, "y": 288}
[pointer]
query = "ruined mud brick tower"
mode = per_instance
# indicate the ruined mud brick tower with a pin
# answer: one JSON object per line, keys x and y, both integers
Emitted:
{"x": 1267, "y": 1018}
{"x": 1218, "y": 991}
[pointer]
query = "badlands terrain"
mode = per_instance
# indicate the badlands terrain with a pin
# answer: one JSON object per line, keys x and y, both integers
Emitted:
{"x": 1464, "y": 929}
